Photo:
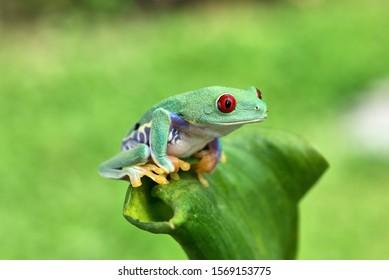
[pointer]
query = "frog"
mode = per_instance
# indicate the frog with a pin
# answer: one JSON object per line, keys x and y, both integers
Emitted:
{"x": 180, "y": 127}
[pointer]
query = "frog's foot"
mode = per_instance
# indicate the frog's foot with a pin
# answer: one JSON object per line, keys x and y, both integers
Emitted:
{"x": 178, "y": 165}
{"x": 207, "y": 163}
{"x": 135, "y": 173}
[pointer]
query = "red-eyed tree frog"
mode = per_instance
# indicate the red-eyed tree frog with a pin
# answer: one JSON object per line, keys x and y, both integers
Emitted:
{"x": 182, "y": 126}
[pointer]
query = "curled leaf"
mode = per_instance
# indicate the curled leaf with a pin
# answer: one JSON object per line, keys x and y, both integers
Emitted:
{"x": 249, "y": 210}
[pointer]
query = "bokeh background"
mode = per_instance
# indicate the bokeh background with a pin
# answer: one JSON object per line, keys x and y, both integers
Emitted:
{"x": 76, "y": 75}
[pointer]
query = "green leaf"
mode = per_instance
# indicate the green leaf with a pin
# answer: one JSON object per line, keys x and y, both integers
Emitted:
{"x": 249, "y": 210}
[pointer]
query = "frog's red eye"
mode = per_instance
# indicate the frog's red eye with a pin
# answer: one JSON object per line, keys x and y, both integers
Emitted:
{"x": 259, "y": 93}
{"x": 226, "y": 103}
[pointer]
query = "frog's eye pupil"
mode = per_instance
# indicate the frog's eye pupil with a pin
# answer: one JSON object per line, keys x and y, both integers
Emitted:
{"x": 259, "y": 93}
{"x": 226, "y": 103}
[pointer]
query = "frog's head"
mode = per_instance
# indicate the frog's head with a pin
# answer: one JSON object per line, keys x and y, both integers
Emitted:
{"x": 226, "y": 106}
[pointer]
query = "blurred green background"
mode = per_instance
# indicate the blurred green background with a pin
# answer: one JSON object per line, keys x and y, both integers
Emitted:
{"x": 76, "y": 75}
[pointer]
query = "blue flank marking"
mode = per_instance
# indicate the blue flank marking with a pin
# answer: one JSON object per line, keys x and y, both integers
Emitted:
{"x": 174, "y": 136}
{"x": 142, "y": 135}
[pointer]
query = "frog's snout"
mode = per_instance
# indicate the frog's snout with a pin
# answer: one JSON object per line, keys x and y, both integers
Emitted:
{"x": 262, "y": 108}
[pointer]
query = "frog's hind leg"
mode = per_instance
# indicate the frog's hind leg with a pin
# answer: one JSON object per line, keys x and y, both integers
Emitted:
{"x": 132, "y": 165}
{"x": 208, "y": 160}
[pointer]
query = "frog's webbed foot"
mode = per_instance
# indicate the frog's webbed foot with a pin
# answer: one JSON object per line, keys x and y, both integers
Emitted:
{"x": 178, "y": 165}
{"x": 207, "y": 163}
{"x": 135, "y": 173}
{"x": 155, "y": 173}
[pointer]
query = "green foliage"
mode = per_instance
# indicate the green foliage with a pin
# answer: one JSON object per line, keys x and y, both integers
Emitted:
{"x": 250, "y": 209}
{"x": 28, "y": 9}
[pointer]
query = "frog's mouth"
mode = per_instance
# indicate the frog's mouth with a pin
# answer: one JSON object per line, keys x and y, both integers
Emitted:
{"x": 243, "y": 122}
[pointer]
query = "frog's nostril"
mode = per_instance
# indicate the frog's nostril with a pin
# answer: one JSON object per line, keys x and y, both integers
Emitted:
{"x": 256, "y": 107}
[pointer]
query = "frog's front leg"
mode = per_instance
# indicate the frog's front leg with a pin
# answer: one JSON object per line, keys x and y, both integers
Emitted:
{"x": 161, "y": 126}
{"x": 159, "y": 135}
{"x": 131, "y": 165}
